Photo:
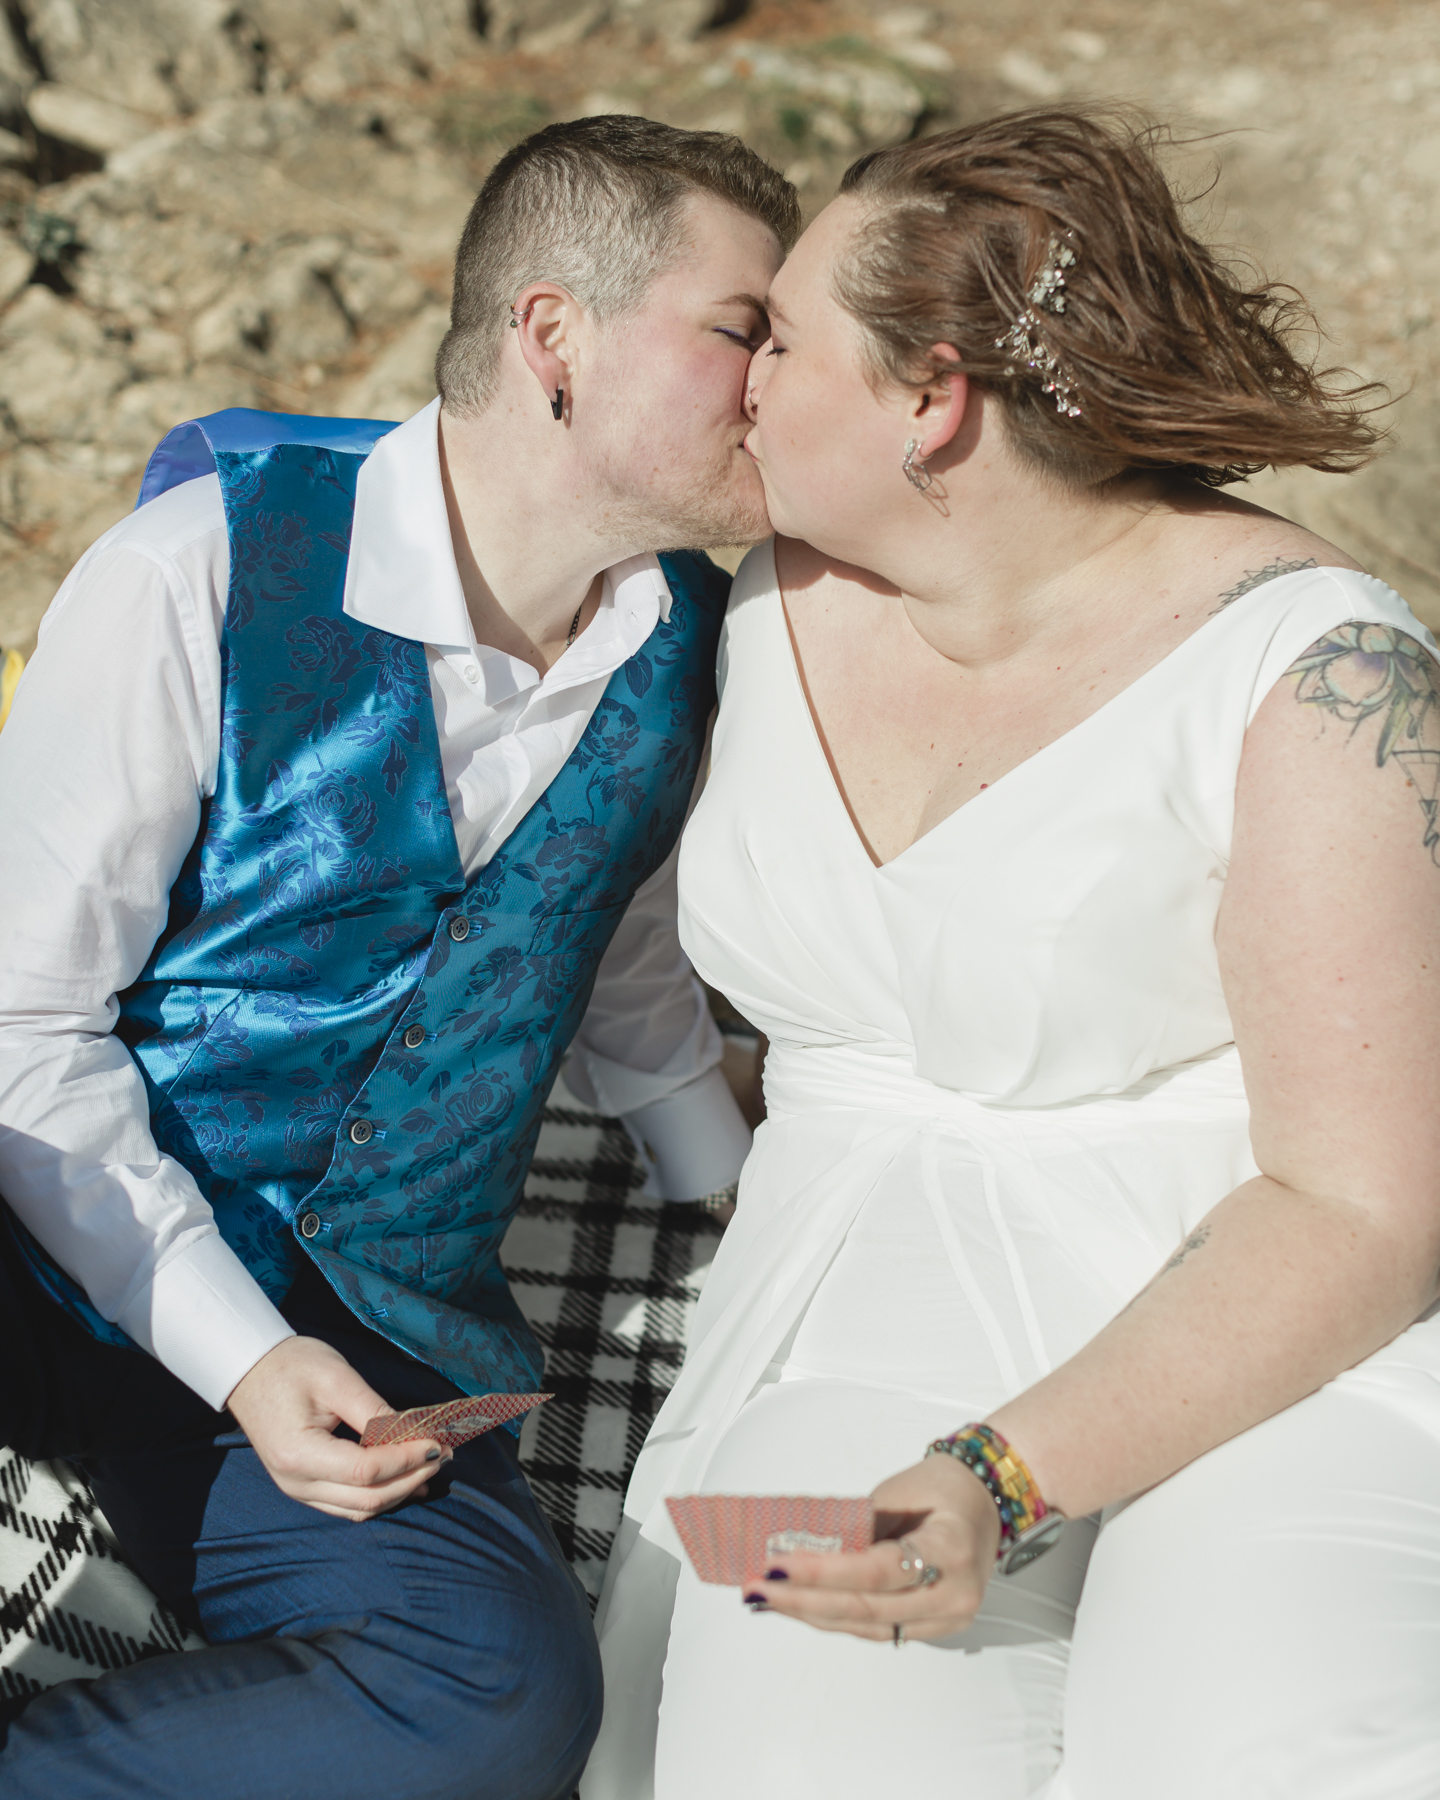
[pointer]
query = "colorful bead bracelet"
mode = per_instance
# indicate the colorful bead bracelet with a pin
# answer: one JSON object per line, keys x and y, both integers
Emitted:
{"x": 1006, "y": 1479}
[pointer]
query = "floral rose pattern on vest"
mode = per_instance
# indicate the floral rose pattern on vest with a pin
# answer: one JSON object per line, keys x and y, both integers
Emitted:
{"x": 322, "y": 914}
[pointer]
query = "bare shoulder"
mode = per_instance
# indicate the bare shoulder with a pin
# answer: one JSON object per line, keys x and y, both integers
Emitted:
{"x": 1273, "y": 547}
{"x": 1234, "y": 546}
{"x": 1329, "y": 931}
{"x": 1368, "y": 697}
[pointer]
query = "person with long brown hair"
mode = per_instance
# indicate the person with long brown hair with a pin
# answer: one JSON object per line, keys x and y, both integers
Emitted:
{"x": 1072, "y": 834}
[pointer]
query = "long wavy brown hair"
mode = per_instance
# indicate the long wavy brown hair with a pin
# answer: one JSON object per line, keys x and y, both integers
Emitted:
{"x": 1177, "y": 359}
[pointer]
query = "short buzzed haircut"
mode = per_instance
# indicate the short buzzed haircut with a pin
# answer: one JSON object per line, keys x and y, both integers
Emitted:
{"x": 594, "y": 205}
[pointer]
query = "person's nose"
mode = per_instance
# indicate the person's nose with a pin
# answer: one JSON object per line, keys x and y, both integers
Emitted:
{"x": 755, "y": 378}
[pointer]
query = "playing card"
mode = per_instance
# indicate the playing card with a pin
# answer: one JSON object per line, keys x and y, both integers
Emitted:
{"x": 453, "y": 1423}
{"x": 730, "y": 1538}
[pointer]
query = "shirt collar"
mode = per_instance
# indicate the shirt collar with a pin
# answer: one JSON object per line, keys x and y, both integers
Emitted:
{"x": 401, "y": 576}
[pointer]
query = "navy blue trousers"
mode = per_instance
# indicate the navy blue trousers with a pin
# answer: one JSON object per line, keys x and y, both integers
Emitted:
{"x": 441, "y": 1652}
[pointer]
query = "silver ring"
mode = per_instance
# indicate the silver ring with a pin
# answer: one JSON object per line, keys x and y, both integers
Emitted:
{"x": 925, "y": 1574}
{"x": 897, "y": 1636}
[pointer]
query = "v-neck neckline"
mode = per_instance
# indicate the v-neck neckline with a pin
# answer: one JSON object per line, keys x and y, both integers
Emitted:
{"x": 838, "y": 793}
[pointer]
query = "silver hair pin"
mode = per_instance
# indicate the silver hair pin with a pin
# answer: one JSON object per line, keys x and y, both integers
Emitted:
{"x": 1024, "y": 341}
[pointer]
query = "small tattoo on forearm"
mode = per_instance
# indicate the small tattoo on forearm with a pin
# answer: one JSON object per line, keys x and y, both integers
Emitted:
{"x": 1362, "y": 672}
{"x": 1253, "y": 578}
{"x": 1196, "y": 1241}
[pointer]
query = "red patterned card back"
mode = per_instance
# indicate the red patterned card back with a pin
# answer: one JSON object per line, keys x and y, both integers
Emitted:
{"x": 731, "y": 1537}
{"x": 451, "y": 1424}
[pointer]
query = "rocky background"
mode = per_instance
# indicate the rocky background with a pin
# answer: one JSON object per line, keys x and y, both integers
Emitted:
{"x": 206, "y": 204}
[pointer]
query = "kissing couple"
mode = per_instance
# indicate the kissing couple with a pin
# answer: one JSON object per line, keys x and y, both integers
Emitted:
{"x": 1068, "y": 827}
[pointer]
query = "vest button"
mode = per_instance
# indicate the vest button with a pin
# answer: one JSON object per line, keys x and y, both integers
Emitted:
{"x": 361, "y": 1132}
{"x": 460, "y": 928}
{"x": 309, "y": 1225}
{"x": 414, "y": 1037}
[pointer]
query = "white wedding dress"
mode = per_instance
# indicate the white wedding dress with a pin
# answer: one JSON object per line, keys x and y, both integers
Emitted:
{"x": 1002, "y": 1087}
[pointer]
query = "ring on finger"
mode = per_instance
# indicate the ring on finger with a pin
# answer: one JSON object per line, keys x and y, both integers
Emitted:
{"x": 913, "y": 1564}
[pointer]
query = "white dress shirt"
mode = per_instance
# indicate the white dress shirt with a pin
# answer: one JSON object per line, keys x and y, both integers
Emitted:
{"x": 108, "y": 754}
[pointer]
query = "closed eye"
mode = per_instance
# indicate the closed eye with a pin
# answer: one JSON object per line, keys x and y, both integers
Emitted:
{"x": 743, "y": 339}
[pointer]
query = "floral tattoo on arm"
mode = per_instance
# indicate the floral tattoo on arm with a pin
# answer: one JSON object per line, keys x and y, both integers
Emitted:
{"x": 1361, "y": 672}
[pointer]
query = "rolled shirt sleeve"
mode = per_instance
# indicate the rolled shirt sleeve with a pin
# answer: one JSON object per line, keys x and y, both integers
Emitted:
{"x": 105, "y": 759}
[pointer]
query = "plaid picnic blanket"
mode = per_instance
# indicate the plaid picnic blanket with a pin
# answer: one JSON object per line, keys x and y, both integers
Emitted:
{"x": 608, "y": 1278}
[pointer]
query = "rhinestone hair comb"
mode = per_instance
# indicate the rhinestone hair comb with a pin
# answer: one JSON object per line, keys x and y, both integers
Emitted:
{"x": 1024, "y": 343}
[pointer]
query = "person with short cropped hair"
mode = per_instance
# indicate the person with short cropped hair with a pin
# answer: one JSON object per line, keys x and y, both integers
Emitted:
{"x": 339, "y": 803}
{"x": 1072, "y": 835}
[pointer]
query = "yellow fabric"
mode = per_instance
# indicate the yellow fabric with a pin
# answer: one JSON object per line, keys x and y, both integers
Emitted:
{"x": 11, "y": 663}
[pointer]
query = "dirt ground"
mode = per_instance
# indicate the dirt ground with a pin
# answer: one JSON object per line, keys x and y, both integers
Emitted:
{"x": 1314, "y": 150}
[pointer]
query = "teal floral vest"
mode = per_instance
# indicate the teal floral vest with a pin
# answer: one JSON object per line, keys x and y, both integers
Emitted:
{"x": 346, "y": 1045}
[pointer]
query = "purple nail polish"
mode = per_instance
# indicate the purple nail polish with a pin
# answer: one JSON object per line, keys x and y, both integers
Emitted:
{"x": 776, "y": 1575}
{"x": 757, "y": 1603}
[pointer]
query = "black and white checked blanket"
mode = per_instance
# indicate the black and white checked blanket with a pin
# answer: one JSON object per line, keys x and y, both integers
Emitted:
{"x": 608, "y": 1279}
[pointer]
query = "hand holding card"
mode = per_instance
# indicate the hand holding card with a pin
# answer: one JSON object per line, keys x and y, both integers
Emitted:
{"x": 731, "y": 1538}
{"x": 451, "y": 1424}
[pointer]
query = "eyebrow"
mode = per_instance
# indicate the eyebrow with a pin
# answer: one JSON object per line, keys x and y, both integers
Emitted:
{"x": 749, "y": 300}
{"x": 772, "y": 311}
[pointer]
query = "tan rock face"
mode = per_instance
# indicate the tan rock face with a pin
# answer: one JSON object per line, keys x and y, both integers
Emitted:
{"x": 208, "y": 203}
{"x": 155, "y": 56}
{"x": 17, "y": 265}
{"x": 264, "y": 252}
{"x": 75, "y": 117}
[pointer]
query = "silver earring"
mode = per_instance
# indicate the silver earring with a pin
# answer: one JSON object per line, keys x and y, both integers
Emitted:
{"x": 916, "y": 473}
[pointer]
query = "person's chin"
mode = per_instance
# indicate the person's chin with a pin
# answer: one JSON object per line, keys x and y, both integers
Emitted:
{"x": 734, "y": 526}
{"x": 743, "y": 517}
{"x": 784, "y": 521}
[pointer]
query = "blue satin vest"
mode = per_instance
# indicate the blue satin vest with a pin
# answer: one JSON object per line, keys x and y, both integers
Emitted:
{"x": 347, "y": 1046}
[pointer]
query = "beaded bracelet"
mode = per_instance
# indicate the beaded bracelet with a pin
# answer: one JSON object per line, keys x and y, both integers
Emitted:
{"x": 1011, "y": 1486}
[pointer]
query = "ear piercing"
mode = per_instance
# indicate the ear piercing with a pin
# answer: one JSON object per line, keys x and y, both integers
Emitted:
{"x": 916, "y": 473}
{"x": 557, "y": 405}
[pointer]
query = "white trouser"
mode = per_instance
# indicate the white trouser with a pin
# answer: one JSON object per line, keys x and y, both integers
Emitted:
{"x": 1263, "y": 1626}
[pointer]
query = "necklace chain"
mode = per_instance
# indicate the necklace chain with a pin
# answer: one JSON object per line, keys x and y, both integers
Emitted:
{"x": 575, "y": 625}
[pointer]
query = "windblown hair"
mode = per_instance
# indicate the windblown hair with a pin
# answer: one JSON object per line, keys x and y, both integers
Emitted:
{"x": 1177, "y": 361}
{"x": 595, "y": 205}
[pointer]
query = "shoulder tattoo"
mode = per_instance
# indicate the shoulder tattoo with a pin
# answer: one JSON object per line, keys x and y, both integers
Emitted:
{"x": 1361, "y": 672}
{"x": 1253, "y": 578}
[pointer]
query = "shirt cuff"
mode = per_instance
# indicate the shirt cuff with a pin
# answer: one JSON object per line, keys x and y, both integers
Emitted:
{"x": 695, "y": 1140}
{"x": 619, "y": 1089}
{"x": 206, "y": 1318}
